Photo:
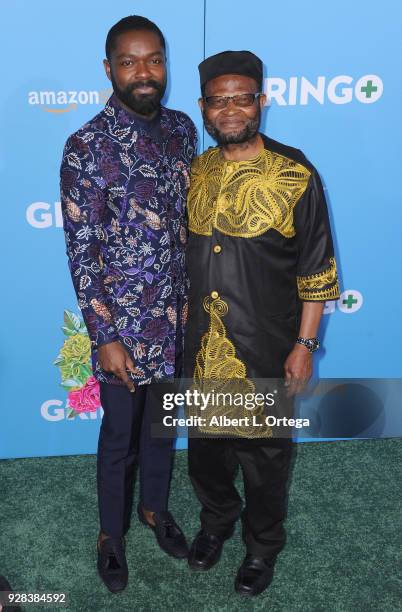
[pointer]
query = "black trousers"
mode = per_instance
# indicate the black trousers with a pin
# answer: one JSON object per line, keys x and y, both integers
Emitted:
{"x": 125, "y": 441}
{"x": 213, "y": 464}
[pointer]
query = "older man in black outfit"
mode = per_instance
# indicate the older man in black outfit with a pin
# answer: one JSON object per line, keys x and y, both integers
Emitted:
{"x": 261, "y": 266}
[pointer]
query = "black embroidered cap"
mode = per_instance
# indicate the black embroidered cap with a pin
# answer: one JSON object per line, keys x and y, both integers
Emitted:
{"x": 231, "y": 62}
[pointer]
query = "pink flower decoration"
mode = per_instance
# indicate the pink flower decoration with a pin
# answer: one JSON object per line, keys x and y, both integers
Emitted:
{"x": 87, "y": 398}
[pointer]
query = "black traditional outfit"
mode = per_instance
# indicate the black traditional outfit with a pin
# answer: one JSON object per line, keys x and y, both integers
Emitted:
{"x": 259, "y": 244}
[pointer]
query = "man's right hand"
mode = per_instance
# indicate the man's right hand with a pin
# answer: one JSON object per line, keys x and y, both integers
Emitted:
{"x": 114, "y": 358}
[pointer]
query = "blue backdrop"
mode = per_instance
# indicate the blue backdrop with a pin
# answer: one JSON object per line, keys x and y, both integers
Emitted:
{"x": 334, "y": 85}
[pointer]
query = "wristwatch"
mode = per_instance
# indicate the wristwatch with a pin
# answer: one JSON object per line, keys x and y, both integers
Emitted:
{"x": 312, "y": 344}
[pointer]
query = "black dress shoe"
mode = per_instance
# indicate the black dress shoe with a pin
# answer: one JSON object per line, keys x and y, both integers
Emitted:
{"x": 206, "y": 550}
{"x": 254, "y": 576}
{"x": 112, "y": 564}
{"x": 167, "y": 532}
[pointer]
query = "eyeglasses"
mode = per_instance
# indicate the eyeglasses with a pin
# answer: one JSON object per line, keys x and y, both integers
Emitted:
{"x": 241, "y": 100}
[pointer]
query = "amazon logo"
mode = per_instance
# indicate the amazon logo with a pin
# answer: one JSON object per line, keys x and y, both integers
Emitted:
{"x": 58, "y": 102}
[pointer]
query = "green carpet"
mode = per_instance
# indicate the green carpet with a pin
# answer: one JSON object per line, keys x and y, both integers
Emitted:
{"x": 343, "y": 553}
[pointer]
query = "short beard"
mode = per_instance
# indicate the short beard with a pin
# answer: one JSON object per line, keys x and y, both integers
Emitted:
{"x": 247, "y": 133}
{"x": 142, "y": 104}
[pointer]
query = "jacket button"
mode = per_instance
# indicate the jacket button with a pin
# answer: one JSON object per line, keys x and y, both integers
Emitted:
{"x": 217, "y": 248}
{"x": 214, "y": 295}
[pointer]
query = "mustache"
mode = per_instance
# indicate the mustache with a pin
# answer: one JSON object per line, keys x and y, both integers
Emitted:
{"x": 150, "y": 83}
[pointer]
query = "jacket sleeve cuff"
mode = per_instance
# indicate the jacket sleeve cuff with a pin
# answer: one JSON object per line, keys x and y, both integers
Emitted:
{"x": 104, "y": 336}
{"x": 104, "y": 339}
{"x": 321, "y": 286}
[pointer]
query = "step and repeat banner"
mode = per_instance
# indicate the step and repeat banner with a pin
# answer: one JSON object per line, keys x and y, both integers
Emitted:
{"x": 334, "y": 86}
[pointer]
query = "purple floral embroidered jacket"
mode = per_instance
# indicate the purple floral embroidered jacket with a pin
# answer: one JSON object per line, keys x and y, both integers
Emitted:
{"x": 124, "y": 185}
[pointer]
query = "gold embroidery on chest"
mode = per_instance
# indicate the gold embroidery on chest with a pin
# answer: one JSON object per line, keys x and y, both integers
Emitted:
{"x": 247, "y": 198}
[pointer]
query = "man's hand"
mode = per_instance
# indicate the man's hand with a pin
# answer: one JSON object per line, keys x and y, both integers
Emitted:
{"x": 115, "y": 359}
{"x": 298, "y": 369}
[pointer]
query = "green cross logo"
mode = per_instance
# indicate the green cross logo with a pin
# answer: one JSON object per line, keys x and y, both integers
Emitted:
{"x": 350, "y": 301}
{"x": 369, "y": 89}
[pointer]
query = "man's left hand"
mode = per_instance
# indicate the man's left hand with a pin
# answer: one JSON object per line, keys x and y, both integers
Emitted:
{"x": 298, "y": 369}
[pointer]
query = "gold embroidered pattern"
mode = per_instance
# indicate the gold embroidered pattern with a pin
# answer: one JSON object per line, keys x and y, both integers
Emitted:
{"x": 245, "y": 198}
{"x": 217, "y": 357}
{"x": 218, "y": 370}
{"x": 321, "y": 286}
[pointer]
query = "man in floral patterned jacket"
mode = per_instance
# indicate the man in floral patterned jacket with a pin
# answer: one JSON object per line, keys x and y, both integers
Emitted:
{"x": 124, "y": 181}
